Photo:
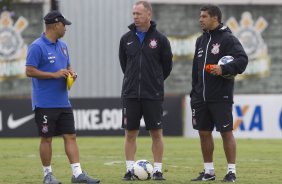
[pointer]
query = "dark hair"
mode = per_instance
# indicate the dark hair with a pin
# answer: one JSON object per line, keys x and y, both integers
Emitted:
{"x": 212, "y": 11}
{"x": 146, "y": 5}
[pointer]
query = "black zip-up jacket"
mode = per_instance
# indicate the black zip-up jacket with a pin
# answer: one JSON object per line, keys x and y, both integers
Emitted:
{"x": 145, "y": 66}
{"x": 210, "y": 47}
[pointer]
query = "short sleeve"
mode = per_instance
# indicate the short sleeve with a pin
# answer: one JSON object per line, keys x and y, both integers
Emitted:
{"x": 33, "y": 56}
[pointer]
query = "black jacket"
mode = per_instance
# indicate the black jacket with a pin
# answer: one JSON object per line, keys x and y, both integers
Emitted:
{"x": 145, "y": 66}
{"x": 210, "y": 47}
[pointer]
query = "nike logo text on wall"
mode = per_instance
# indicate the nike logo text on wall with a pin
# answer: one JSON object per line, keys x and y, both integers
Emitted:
{"x": 12, "y": 124}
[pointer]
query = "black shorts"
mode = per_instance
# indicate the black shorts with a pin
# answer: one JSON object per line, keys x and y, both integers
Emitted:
{"x": 134, "y": 109}
{"x": 54, "y": 121}
{"x": 206, "y": 116}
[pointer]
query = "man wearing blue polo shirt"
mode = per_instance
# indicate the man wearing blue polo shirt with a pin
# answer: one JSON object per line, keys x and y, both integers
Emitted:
{"x": 48, "y": 65}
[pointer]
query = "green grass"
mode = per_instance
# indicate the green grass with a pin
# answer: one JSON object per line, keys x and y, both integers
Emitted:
{"x": 258, "y": 161}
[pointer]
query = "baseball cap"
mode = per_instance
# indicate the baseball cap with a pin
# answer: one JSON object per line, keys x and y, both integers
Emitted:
{"x": 55, "y": 16}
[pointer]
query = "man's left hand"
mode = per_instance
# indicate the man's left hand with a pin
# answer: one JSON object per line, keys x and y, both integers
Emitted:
{"x": 216, "y": 70}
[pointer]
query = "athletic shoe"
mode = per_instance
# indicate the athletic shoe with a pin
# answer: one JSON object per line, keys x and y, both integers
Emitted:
{"x": 229, "y": 177}
{"x": 204, "y": 177}
{"x": 158, "y": 176}
{"x": 50, "y": 179}
{"x": 84, "y": 178}
{"x": 128, "y": 176}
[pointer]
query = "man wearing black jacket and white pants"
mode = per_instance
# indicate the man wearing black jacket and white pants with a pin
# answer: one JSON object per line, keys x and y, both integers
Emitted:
{"x": 212, "y": 94}
{"x": 146, "y": 61}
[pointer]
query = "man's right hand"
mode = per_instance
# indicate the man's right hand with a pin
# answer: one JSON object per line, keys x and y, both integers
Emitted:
{"x": 32, "y": 71}
{"x": 61, "y": 73}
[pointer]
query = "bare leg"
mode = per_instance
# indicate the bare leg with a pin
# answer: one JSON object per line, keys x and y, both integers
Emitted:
{"x": 207, "y": 145}
{"x": 45, "y": 150}
{"x": 130, "y": 146}
{"x": 71, "y": 148}
{"x": 229, "y": 145}
{"x": 157, "y": 144}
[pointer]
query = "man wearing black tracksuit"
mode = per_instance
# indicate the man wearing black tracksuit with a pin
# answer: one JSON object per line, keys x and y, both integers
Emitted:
{"x": 146, "y": 61}
{"x": 212, "y": 92}
{"x": 145, "y": 65}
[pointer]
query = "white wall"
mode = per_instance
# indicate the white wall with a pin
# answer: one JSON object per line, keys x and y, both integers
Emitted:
{"x": 93, "y": 42}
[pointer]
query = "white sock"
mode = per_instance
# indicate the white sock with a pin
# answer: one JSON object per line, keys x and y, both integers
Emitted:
{"x": 129, "y": 165}
{"x": 232, "y": 168}
{"x": 76, "y": 169}
{"x": 46, "y": 170}
{"x": 209, "y": 168}
{"x": 157, "y": 167}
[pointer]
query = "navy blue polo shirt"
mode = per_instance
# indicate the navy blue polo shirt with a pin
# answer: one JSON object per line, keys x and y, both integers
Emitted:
{"x": 48, "y": 57}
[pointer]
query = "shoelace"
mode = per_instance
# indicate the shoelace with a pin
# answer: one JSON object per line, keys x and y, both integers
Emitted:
{"x": 230, "y": 175}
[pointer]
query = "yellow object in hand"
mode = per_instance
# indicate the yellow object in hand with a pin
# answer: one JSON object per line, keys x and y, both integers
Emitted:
{"x": 69, "y": 81}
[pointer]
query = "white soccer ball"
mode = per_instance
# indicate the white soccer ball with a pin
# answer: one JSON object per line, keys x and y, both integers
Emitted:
{"x": 143, "y": 170}
{"x": 224, "y": 60}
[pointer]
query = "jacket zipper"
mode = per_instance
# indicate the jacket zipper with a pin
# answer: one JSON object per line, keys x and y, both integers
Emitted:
{"x": 204, "y": 85}
{"x": 140, "y": 63}
{"x": 140, "y": 73}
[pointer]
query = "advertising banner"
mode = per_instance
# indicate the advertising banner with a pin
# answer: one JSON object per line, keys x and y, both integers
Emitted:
{"x": 93, "y": 117}
{"x": 254, "y": 116}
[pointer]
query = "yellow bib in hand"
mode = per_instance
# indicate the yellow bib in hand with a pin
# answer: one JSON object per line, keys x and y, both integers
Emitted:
{"x": 69, "y": 81}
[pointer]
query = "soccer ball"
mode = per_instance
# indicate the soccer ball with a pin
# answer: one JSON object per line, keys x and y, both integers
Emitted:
{"x": 224, "y": 60}
{"x": 143, "y": 170}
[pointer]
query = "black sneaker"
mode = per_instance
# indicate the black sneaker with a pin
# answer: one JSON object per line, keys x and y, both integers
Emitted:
{"x": 158, "y": 176}
{"x": 204, "y": 177}
{"x": 128, "y": 176}
{"x": 229, "y": 177}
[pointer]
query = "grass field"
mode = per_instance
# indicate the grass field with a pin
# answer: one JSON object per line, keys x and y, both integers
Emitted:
{"x": 258, "y": 161}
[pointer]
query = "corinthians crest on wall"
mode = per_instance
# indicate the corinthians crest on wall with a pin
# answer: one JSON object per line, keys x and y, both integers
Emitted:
{"x": 249, "y": 32}
{"x": 13, "y": 50}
